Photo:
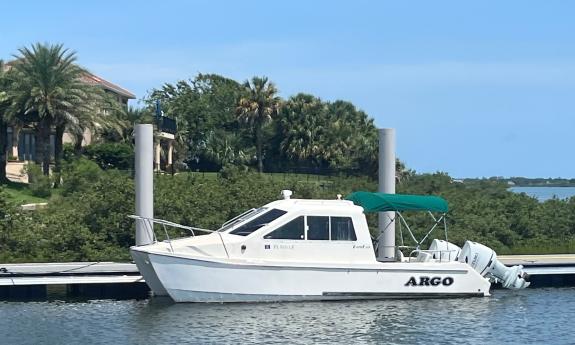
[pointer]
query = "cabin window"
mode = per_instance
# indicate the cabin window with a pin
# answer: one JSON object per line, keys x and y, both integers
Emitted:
{"x": 318, "y": 228}
{"x": 292, "y": 230}
{"x": 258, "y": 222}
{"x": 342, "y": 229}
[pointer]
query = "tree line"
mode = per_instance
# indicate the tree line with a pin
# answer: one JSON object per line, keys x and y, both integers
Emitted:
{"x": 223, "y": 122}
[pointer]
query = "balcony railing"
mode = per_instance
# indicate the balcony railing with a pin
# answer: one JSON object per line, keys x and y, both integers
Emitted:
{"x": 166, "y": 124}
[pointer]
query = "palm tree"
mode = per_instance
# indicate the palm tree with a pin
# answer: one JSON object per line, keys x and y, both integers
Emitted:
{"x": 402, "y": 172}
{"x": 350, "y": 142}
{"x": 119, "y": 125}
{"x": 303, "y": 121}
{"x": 108, "y": 120}
{"x": 3, "y": 122}
{"x": 47, "y": 83}
{"x": 226, "y": 148}
{"x": 258, "y": 106}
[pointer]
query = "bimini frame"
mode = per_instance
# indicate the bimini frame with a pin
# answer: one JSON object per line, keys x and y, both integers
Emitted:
{"x": 403, "y": 222}
{"x": 397, "y": 203}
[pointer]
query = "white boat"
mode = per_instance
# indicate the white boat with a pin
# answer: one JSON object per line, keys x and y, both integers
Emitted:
{"x": 299, "y": 249}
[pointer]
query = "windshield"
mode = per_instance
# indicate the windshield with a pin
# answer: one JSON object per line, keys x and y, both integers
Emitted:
{"x": 242, "y": 217}
{"x": 255, "y": 223}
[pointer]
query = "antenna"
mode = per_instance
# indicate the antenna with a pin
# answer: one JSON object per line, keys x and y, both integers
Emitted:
{"x": 286, "y": 194}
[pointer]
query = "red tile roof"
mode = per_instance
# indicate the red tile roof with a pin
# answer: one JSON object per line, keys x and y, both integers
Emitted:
{"x": 95, "y": 80}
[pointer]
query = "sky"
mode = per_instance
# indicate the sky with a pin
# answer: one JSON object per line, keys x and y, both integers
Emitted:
{"x": 474, "y": 89}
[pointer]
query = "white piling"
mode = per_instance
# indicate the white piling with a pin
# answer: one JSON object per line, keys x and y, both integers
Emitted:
{"x": 144, "y": 134}
{"x": 386, "y": 174}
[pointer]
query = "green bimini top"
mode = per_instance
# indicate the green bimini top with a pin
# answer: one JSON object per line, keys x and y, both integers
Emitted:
{"x": 381, "y": 202}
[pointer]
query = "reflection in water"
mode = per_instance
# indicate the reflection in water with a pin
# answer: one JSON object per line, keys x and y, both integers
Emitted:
{"x": 526, "y": 316}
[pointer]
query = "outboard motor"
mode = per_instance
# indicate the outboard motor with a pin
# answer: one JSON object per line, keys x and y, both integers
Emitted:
{"x": 443, "y": 250}
{"x": 484, "y": 260}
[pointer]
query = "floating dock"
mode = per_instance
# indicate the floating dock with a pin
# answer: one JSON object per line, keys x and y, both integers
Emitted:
{"x": 545, "y": 270}
{"x": 122, "y": 280}
{"x": 71, "y": 279}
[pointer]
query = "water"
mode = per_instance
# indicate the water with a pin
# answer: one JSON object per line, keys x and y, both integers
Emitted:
{"x": 531, "y": 316}
{"x": 546, "y": 193}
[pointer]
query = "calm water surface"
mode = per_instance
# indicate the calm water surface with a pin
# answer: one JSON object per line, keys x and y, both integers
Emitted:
{"x": 546, "y": 193}
{"x": 532, "y": 316}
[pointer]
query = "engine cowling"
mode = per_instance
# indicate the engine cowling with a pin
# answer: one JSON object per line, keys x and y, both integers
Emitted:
{"x": 443, "y": 250}
{"x": 484, "y": 260}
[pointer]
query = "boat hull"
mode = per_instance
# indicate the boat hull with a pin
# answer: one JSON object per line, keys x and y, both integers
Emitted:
{"x": 188, "y": 279}
{"x": 147, "y": 271}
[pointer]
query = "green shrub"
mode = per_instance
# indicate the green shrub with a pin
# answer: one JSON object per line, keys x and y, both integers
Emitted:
{"x": 234, "y": 172}
{"x": 40, "y": 184}
{"x": 111, "y": 155}
{"x": 80, "y": 175}
{"x": 68, "y": 153}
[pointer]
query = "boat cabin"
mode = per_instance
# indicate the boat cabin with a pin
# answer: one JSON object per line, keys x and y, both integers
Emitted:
{"x": 292, "y": 230}
{"x": 303, "y": 230}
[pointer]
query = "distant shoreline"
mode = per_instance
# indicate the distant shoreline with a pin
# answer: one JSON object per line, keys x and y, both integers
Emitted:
{"x": 544, "y": 185}
{"x": 528, "y": 182}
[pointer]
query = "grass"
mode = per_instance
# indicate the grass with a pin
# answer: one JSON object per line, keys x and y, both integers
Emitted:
{"x": 566, "y": 246}
{"x": 20, "y": 193}
{"x": 282, "y": 176}
{"x": 327, "y": 182}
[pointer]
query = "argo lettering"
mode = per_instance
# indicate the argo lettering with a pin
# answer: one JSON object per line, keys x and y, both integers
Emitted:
{"x": 427, "y": 281}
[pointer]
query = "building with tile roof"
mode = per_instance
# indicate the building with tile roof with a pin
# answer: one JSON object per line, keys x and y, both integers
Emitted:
{"x": 22, "y": 141}
{"x": 122, "y": 94}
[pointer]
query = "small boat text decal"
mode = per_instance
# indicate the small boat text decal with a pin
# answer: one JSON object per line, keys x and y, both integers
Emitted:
{"x": 427, "y": 281}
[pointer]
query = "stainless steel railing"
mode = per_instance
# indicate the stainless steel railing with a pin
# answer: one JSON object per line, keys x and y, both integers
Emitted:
{"x": 149, "y": 222}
